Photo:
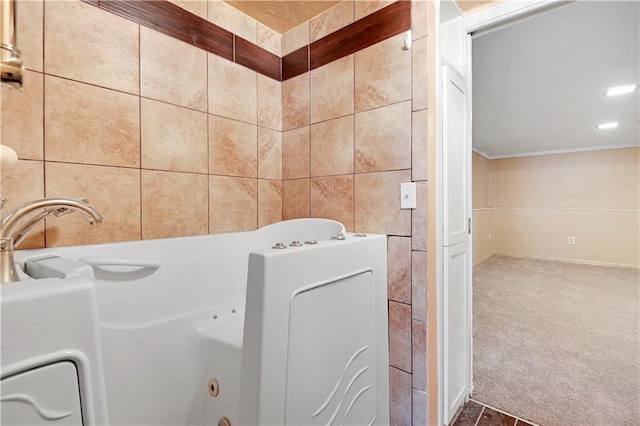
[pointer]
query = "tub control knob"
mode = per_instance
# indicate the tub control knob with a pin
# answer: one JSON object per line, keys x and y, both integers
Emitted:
{"x": 339, "y": 236}
{"x": 309, "y": 242}
{"x": 359, "y": 235}
{"x": 295, "y": 243}
{"x": 279, "y": 245}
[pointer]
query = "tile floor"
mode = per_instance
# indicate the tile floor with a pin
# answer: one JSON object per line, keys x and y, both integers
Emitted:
{"x": 475, "y": 413}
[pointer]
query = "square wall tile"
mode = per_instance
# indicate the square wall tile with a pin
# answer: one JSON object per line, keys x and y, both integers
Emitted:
{"x": 400, "y": 336}
{"x": 91, "y": 125}
{"x": 179, "y": 144}
{"x": 420, "y": 413}
{"x": 419, "y": 285}
{"x": 332, "y": 198}
{"x": 269, "y": 39}
{"x": 419, "y": 354}
{"x": 269, "y": 153}
{"x": 21, "y": 183}
{"x": 269, "y": 103}
{"x": 399, "y": 269}
{"x": 22, "y": 117}
{"x": 377, "y": 203}
{"x": 113, "y": 191}
{"x": 332, "y": 147}
{"x": 399, "y": 396}
{"x": 295, "y": 102}
{"x": 383, "y": 74}
{"x": 420, "y": 74}
{"x": 163, "y": 74}
{"x": 383, "y": 139}
{"x": 419, "y": 219}
{"x": 231, "y": 19}
{"x": 367, "y": 7}
{"x": 419, "y": 18}
{"x": 30, "y": 33}
{"x": 233, "y": 90}
{"x": 295, "y": 153}
{"x": 88, "y": 44}
{"x": 419, "y": 145}
{"x": 233, "y": 147}
{"x": 295, "y": 199}
{"x": 163, "y": 189}
{"x": 233, "y": 204}
{"x": 331, "y": 20}
{"x": 332, "y": 90}
{"x": 197, "y": 7}
{"x": 269, "y": 202}
{"x": 295, "y": 38}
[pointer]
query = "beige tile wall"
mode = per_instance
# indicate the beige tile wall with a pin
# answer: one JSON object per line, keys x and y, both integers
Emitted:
{"x": 240, "y": 149}
{"x": 163, "y": 138}
{"x": 354, "y": 130}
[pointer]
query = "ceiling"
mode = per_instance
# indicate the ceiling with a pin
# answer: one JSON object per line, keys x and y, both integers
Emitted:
{"x": 538, "y": 83}
{"x": 283, "y": 15}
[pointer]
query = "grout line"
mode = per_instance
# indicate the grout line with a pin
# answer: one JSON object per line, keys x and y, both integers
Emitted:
{"x": 503, "y": 412}
{"x": 91, "y": 84}
{"x": 479, "y": 416}
{"x": 354, "y": 113}
{"x": 140, "y": 128}
{"x": 353, "y": 138}
{"x": 44, "y": 135}
{"x": 208, "y": 147}
{"x": 308, "y": 126}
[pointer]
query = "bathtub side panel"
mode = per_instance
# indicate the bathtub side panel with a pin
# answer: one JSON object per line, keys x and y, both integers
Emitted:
{"x": 317, "y": 319}
{"x": 252, "y": 343}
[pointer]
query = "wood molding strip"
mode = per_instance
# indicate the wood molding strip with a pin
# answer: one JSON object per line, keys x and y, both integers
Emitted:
{"x": 170, "y": 19}
{"x": 295, "y": 63}
{"x": 374, "y": 28}
{"x": 167, "y": 18}
{"x": 257, "y": 59}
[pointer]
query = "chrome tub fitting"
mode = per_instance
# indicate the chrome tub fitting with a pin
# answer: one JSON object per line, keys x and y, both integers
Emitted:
{"x": 16, "y": 225}
{"x": 11, "y": 66}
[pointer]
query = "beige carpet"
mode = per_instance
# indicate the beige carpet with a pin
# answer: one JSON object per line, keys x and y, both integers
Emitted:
{"x": 557, "y": 343}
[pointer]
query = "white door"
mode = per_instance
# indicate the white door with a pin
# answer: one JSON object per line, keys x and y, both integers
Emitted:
{"x": 455, "y": 156}
{"x": 456, "y": 294}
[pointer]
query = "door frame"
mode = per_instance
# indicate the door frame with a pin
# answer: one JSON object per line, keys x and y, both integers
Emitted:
{"x": 500, "y": 13}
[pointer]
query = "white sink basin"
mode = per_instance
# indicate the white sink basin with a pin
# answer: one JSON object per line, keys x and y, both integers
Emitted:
{"x": 45, "y": 322}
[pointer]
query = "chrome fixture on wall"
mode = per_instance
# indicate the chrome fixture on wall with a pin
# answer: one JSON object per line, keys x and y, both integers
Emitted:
{"x": 11, "y": 66}
{"x": 16, "y": 225}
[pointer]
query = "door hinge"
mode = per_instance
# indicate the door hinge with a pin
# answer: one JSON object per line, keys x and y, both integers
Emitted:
{"x": 469, "y": 226}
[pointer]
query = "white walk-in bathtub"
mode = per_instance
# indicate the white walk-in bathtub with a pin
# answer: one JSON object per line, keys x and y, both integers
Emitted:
{"x": 196, "y": 329}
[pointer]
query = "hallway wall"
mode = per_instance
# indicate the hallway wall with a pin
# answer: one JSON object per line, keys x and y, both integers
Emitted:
{"x": 540, "y": 201}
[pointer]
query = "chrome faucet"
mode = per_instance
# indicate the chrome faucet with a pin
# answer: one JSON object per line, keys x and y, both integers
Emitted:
{"x": 16, "y": 225}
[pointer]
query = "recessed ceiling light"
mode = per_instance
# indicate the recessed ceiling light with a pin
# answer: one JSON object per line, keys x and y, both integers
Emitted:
{"x": 621, "y": 90}
{"x": 604, "y": 126}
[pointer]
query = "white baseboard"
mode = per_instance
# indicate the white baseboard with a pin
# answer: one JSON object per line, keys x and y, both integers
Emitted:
{"x": 484, "y": 259}
{"x": 577, "y": 261}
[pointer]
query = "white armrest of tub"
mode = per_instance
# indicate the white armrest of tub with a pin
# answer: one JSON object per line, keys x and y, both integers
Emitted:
{"x": 109, "y": 261}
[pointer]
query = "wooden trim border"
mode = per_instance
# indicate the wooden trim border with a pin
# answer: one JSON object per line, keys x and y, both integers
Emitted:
{"x": 365, "y": 32}
{"x": 387, "y": 22}
{"x": 170, "y": 19}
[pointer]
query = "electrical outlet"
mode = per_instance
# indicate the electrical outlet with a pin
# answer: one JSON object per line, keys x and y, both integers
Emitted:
{"x": 571, "y": 240}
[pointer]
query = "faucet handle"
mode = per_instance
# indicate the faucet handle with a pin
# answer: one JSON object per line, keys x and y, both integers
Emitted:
{"x": 3, "y": 201}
